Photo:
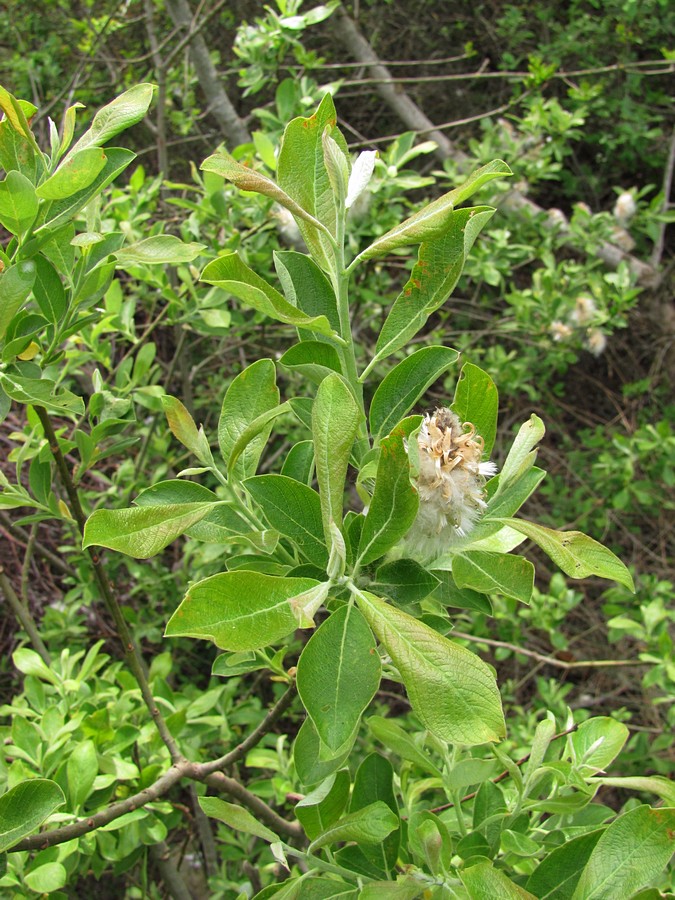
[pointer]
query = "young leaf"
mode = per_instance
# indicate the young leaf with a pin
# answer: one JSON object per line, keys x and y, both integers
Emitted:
{"x": 402, "y": 387}
{"x": 374, "y": 781}
{"x": 433, "y": 278}
{"x": 369, "y": 825}
{"x": 338, "y": 674}
{"x": 236, "y": 818}
{"x": 335, "y": 420}
{"x": 74, "y": 174}
{"x": 394, "y": 505}
{"x": 230, "y": 273}
{"x": 118, "y": 115}
{"x": 239, "y": 610}
{"x": 575, "y": 553}
{"x": 247, "y": 179}
{"x": 522, "y": 454}
{"x": 252, "y": 393}
{"x": 294, "y": 509}
{"x": 312, "y": 359}
{"x": 324, "y": 805}
{"x": 484, "y": 882}
{"x": 183, "y": 427}
{"x": 18, "y": 203}
{"x": 302, "y": 173}
{"x": 597, "y": 742}
{"x": 390, "y": 734}
{"x": 25, "y": 806}
{"x": 16, "y": 283}
{"x": 433, "y": 220}
{"x": 494, "y": 573}
{"x": 161, "y": 249}
{"x": 299, "y": 463}
{"x": 631, "y": 852}
{"x": 306, "y": 286}
{"x": 142, "y": 531}
{"x": 453, "y": 692}
{"x": 48, "y": 290}
{"x": 58, "y": 212}
{"x": 476, "y": 400}
{"x": 312, "y": 761}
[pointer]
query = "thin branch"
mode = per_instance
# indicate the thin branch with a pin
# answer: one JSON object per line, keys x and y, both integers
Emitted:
{"x": 171, "y": 877}
{"x": 40, "y": 549}
{"x": 551, "y": 660}
{"x": 131, "y": 652}
{"x": 23, "y": 615}
{"x": 254, "y": 737}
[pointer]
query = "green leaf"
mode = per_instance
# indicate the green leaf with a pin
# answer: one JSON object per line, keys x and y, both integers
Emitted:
{"x": 123, "y": 112}
{"x": 597, "y": 742}
{"x": 183, "y": 427}
{"x": 260, "y": 426}
{"x": 18, "y": 203}
{"x": 369, "y": 825}
{"x": 45, "y": 879}
{"x": 15, "y": 112}
{"x": 161, "y": 249}
{"x": 632, "y": 851}
{"x": 449, "y": 594}
{"x": 484, "y": 882}
{"x": 302, "y": 174}
{"x": 252, "y": 393}
{"x": 452, "y": 691}
{"x": 522, "y": 455}
{"x": 490, "y": 573}
{"x": 434, "y": 219}
{"x": 294, "y": 509}
{"x": 312, "y": 359}
{"x": 41, "y": 392}
{"x": 374, "y": 781}
{"x": 477, "y": 401}
{"x": 404, "y": 888}
{"x": 49, "y": 291}
{"x": 338, "y": 674}
{"x": 335, "y": 420}
{"x": 655, "y": 784}
{"x": 394, "y": 505}
{"x": 25, "y": 807}
{"x": 247, "y": 179}
{"x": 76, "y": 173}
{"x": 312, "y": 761}
{"x": 575, "y": 553}
{"x": 405, "y": 581}
{"x": 398, "y": 741}
{"x": 468, "y": 772}
{"x": 306, "y": 286}
{"x": 404, "y": 385}
{"x": 318, "y": 810}
{"x": 239, "y": 610}
{"x": 231, "y": 273}
{"x": 299, "y": 463}
{"x": 236, "y": 817}
{"x": 557, "y": 875}
{"x": 16, "y": 283}
{"x": 58, "y": 212}
{"x": 433, "y": 278}
{"x": 142, "y": 531}
{"x": 81, "y": 771}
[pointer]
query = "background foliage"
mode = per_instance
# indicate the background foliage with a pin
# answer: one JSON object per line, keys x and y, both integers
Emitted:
{"x": 577, "y": 102}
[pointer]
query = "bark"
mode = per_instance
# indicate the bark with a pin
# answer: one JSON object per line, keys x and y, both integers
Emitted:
{"x": 219, "y": 105}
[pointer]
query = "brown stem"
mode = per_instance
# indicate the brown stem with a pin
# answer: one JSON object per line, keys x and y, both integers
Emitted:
{"x": 39, "y": 548}
{"x": 131, "y": 652}
{"x": 551, "y": 660}
{"x": 23, "y": 615}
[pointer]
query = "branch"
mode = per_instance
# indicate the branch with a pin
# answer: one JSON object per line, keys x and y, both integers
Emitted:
{"x": 23, "y": 615}
{"x": 551, "y": 660}
{"x": 131, "y": 652}
{"x": 657, "y": 252}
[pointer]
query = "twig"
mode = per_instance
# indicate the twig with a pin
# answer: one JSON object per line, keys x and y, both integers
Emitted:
{"x": 171, "y": 877}
{"x": 40, "y": 549}
{"x": 551, "y": 660}
{"x": 131, "y": 653}
{"x": 23, "y": 615}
